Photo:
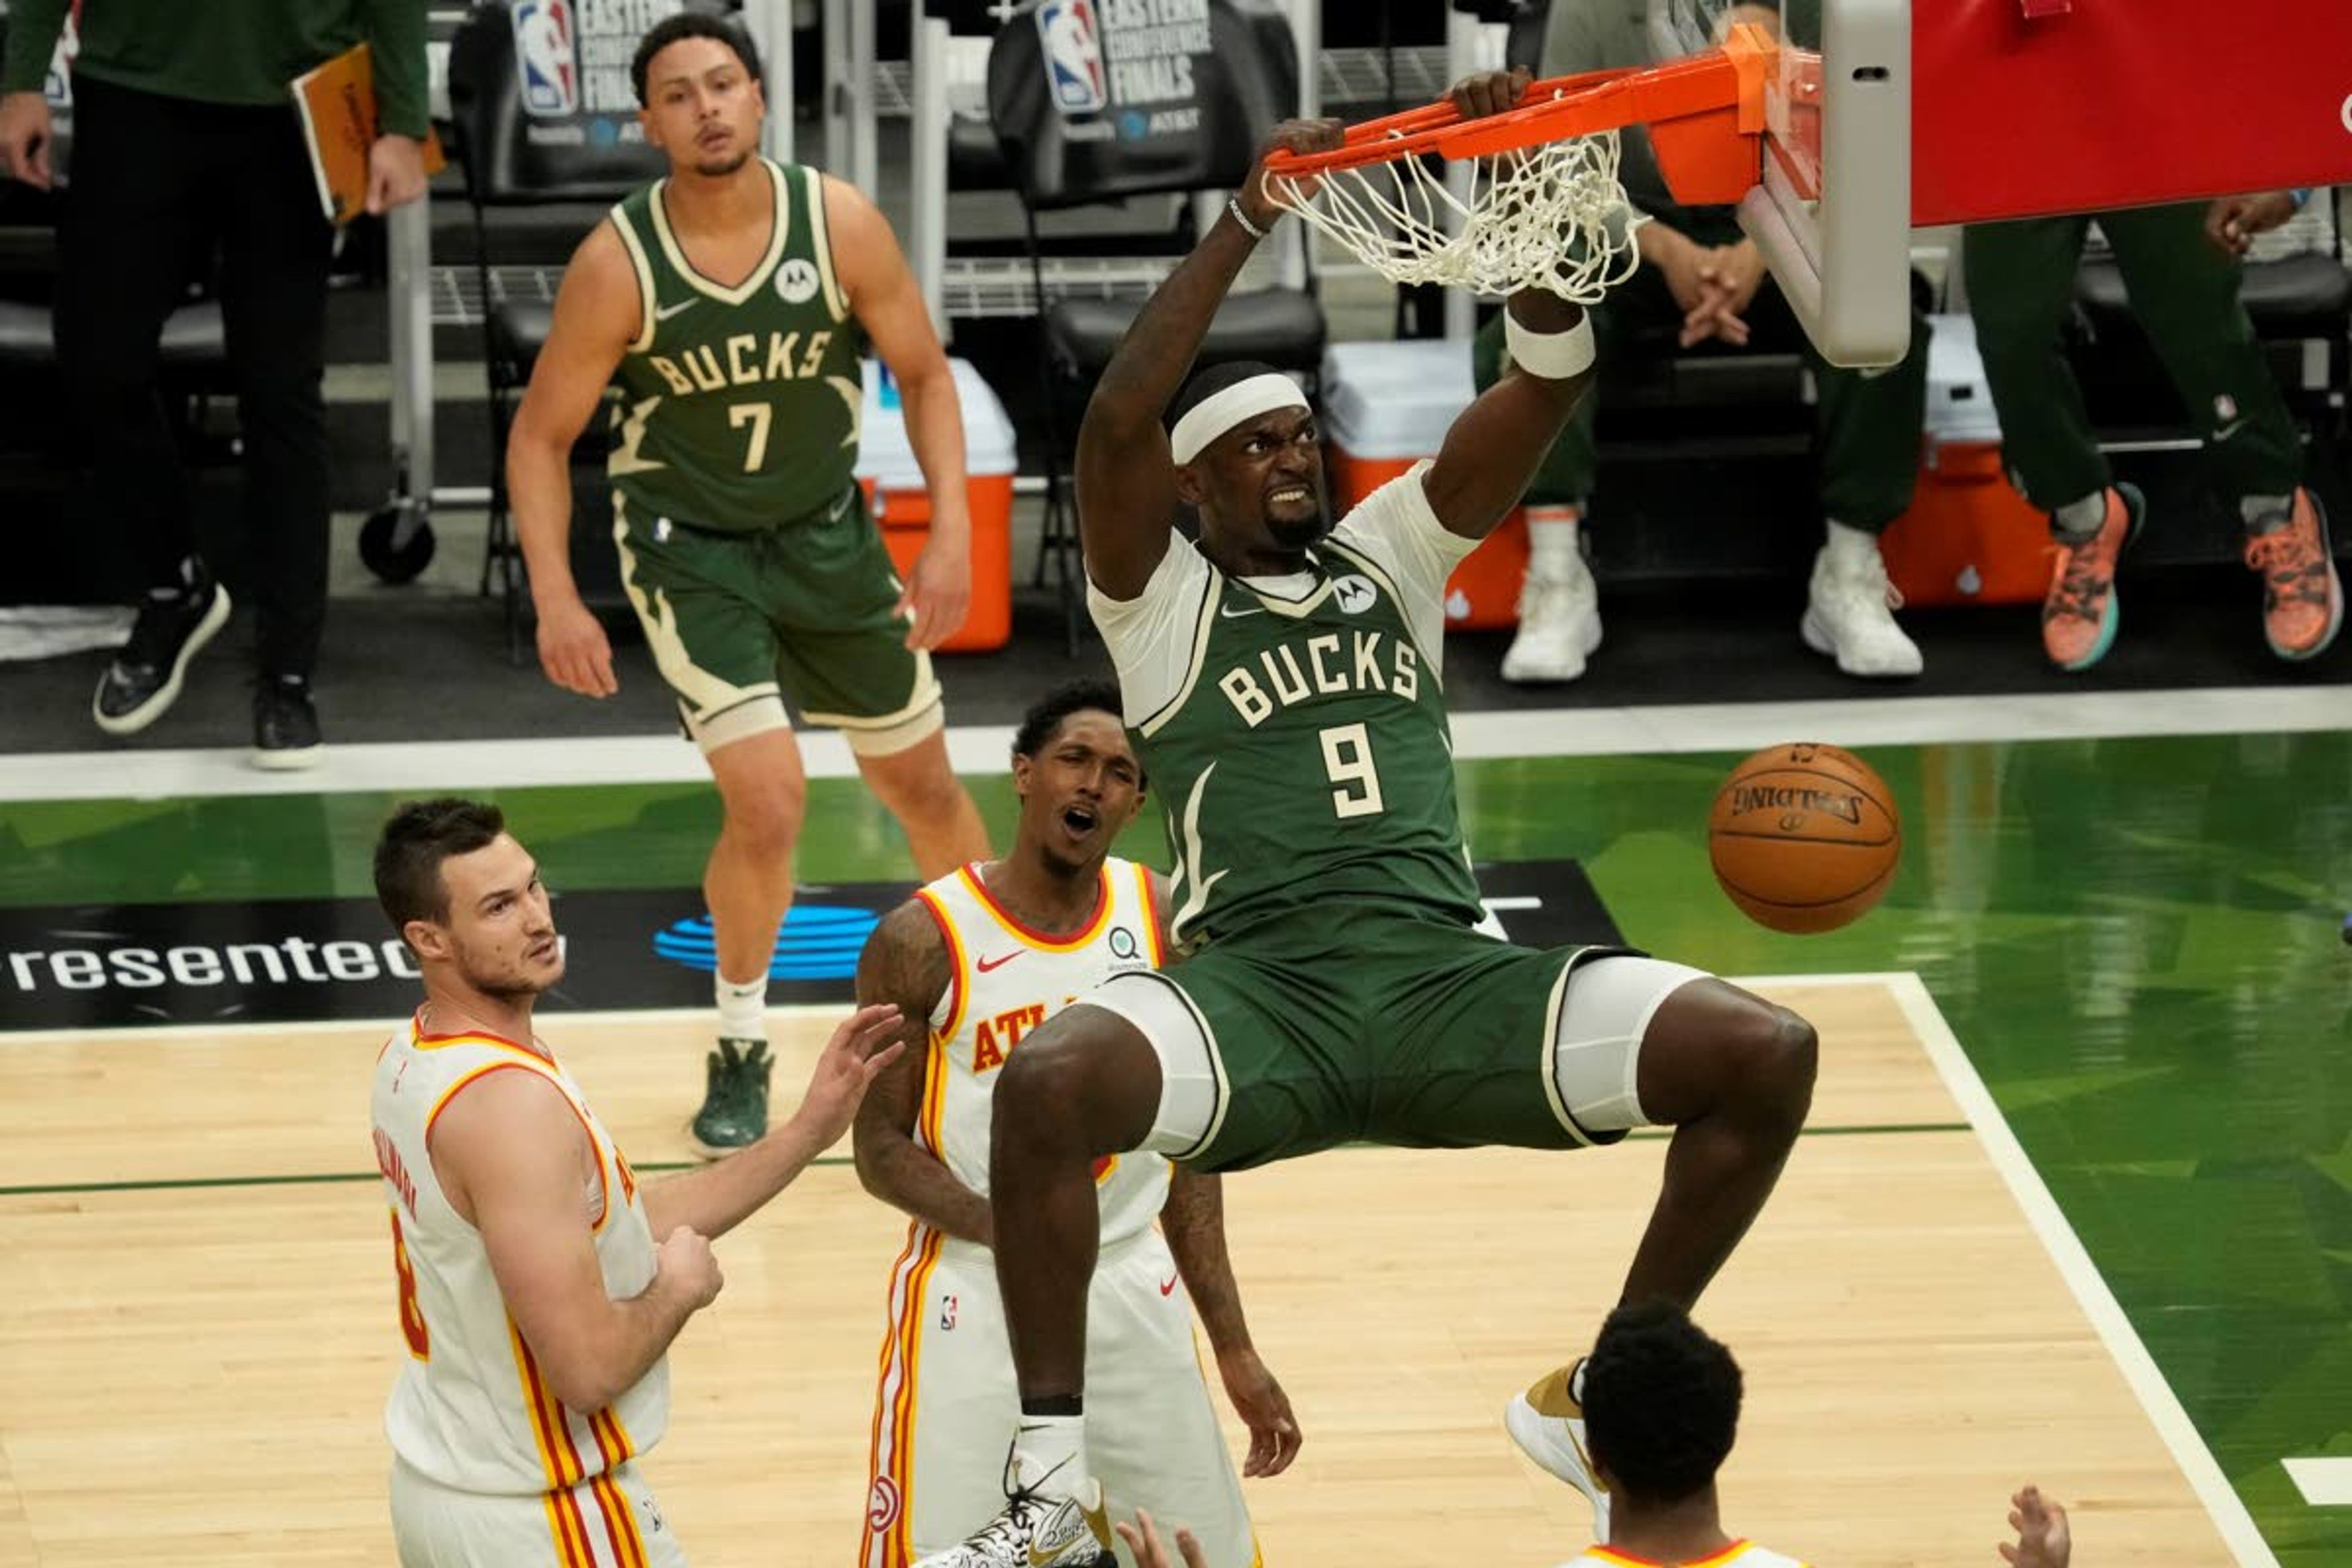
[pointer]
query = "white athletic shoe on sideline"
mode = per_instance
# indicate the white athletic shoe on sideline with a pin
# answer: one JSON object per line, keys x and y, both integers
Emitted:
{"x": 1559, "y": 625}
{"x": 1548, "y": 1423}
{"x": 1849, "y": 615}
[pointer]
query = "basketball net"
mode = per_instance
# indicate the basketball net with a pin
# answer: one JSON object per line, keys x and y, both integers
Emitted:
{"x": 1544, "y": 208}
{"x": 1551, "y": 217}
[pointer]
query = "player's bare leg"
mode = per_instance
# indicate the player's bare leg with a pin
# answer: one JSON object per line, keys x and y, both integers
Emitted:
{"x": 1733, "y": 1075}
{"x": 1084, "y": 1084}
{"x": 920, "y": 789}
{"x": 748, "y": 887}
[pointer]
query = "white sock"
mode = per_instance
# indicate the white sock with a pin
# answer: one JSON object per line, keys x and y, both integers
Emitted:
{"x": 742, "y": 1009}
{"x": 1576, "y": 1383}
{"x": 2263, "y": 514}
{"x": 2078, "y": 520}
{"x": 1851, "y": 550}
{"x": 1551, "y": 542}
{"x": 1049, "y": 1453}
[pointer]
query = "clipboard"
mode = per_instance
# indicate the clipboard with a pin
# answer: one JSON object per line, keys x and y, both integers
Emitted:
{"x": 337, "y": 103}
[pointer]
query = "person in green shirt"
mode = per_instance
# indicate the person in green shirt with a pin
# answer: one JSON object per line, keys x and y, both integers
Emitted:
{"x": 186, "y": 143}
{"x": 730, "y": 304}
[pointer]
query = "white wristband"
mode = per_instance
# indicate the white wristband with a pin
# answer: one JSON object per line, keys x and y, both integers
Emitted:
{"x": 1553, "y": 356}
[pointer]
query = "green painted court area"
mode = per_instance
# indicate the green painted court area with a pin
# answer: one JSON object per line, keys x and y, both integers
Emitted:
{"x": 2137, "y": 943}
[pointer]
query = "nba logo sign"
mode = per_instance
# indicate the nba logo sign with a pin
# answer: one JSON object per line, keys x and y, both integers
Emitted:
{"x": 546, "y": 56}
{"x": 1074, "y": 57}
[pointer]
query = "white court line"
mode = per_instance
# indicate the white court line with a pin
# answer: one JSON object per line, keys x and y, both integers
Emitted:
{"x": 2324, "y": 1483}
{"x": 2065, "y": 1248}
{"x": 981, "y": 750}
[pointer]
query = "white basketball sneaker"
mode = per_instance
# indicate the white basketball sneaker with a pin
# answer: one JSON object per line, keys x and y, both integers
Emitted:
{"x": 1035, "y": 1530}
{"x": 1548, "y": 1423}
{"x": 1559, "y": 625}
{"x": 1849, "y": 615}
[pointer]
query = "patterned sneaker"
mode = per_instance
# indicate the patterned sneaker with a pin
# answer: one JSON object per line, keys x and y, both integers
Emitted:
{"x": 1036, "y": 1531}
{"x": 1548, "y": 1423}
{"x": 2080, "y": 614}
{"x": 144, "y": 679}
{"x": 1850, "y": 616}
{"x": 735, "y": 1101}
{"x": 1559, "y": 625}
{"x": 2303, "y": 598}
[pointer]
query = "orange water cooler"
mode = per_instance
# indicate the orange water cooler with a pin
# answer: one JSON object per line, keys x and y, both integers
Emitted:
{"x": 1387, "y": 405}
{"x": 1970, "y": 538}
{"x": 900, "y": 503}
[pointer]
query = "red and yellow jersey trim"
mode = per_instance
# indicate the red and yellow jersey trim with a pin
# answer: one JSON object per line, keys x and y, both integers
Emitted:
{"x": 603, "y": 1184}
{"x": 959, "y": 994}
{"x": 1029, "y": 935}
{"x": 558, "y": 1457}
{"x": 1150, "y": 904}
{"x": 1732, "y": 1553}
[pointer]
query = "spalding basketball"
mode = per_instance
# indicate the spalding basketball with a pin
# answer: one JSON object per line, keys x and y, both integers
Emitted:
{"x": 1804, "y": 837}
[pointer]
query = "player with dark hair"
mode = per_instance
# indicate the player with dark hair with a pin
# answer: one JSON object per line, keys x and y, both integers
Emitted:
{"x": 1283, "y": 679}
{"x": 730, "y": 304}
{"x": 975, "y": 962}
{"x": 536, "y": 1308}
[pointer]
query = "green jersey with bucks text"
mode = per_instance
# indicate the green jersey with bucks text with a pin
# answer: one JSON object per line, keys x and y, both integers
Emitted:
{"x": 1294, "y": 729}
{"x": 740, "y": 405}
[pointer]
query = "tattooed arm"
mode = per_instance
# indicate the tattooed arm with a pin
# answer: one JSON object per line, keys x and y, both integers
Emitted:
{"x": 905, "y": 961}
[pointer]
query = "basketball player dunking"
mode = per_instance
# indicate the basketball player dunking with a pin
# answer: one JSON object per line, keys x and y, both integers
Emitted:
{"x": 973, "y": 962}
{"x": 536, "y": 1308}
{"x": 1282, "y": 678}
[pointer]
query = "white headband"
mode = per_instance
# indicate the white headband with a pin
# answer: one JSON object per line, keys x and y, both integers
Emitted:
{"x": 1220, "y": 411}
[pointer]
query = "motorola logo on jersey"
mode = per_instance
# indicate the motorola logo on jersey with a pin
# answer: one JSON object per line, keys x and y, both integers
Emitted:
{"x": 1354, "y": 594}
{"x": 796, "y": 281}
{"x": 547, "y": 57}
{"x": 1072, "y": 35}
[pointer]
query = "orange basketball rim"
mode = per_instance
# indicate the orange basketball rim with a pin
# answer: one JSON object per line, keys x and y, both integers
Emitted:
{"x": 1705, "y": 114}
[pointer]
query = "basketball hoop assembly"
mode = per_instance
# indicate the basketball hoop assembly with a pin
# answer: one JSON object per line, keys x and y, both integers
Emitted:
{"x": 1545, "y": 207}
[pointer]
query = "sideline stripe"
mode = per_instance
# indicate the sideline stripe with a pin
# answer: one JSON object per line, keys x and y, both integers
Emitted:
{"x": 983, "y": 750}
{"x": 2197, "y": 1462}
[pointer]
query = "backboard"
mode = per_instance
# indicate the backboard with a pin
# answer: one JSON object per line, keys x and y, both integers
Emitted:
{"x": 1831, "y": 207}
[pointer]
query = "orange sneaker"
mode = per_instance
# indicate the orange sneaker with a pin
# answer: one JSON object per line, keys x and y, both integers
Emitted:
{"x": 2079, "y": 615}
{"x": 2303, "y": 598}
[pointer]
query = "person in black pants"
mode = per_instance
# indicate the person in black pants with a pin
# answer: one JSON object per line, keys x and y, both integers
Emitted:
{"x": 185, "y": 141}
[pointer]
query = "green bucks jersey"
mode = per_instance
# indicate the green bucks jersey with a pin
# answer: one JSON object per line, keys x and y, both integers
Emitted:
{"x": 740, "y": 405}
{"x": 1294, "y": 728}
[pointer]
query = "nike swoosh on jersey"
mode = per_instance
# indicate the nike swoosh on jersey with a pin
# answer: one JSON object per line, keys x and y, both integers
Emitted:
{"x": 1167, "y": 1286}
{"x": 987, "y": 964}
{"x": 666, "y": 312}
{"x": 1229, "y": 613}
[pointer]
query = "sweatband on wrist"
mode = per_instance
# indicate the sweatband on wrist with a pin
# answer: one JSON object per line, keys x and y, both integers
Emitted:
{"x": 1221, "y": 410}
{"x": 1234, "y": 205}
{"x": 1553, "y": 356}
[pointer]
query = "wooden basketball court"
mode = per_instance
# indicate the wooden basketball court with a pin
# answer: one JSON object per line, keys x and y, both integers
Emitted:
{"x": 197, "y": 1332}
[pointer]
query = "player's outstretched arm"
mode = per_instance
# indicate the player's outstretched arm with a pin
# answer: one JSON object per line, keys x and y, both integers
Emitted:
{"x": 1126, "y": 478}
{"x": 597, "y": 316}
{"x": 907, "y": 962}
{"x": 888, "y": 303}
{"x": 1194, "y": 1222}
{"x": 1495, "y": 445}
{"x": 510, "y": 1152}
{"x": 716, "y": 1198}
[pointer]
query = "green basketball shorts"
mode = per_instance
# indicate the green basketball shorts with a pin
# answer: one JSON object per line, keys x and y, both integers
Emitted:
{"x": 741, "y": 623}
{"x": 1358, "y": 1024}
